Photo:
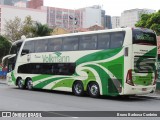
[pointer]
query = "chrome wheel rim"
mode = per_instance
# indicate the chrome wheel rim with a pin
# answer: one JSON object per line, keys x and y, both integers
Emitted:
{"x": 29, "y": 84}
{"x": 20, "y": 84}
{"x": 78, "y": 88}
{"x": 94, "y": 89}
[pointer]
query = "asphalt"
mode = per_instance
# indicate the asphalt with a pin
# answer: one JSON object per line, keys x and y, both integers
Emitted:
{"x": 3, "y": 81}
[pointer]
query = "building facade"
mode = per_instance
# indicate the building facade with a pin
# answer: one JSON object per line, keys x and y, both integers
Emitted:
{"x": 115, "y": 20}
{"x": 11, "y": 2}
{"x": 21, "y": 13}
{"x": 108, "y": 24}
{"x": 93, "y": 15}
{"x": 21, "y": 4}
{"x": 130, "y": 17}
{"x": 71, "y": 20}
{"x": 35, "y": 4}
{"x": 64, "y": 18}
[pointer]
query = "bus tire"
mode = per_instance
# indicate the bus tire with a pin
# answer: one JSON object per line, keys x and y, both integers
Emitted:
{"x": 78, "y": 88}
{"x": 29, "y": 84}
{"x": 20, "y": 83}
{"x": 93, "y": 89}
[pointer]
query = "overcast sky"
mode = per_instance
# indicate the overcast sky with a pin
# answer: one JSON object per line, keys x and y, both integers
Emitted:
{"x": 112, "y": 7}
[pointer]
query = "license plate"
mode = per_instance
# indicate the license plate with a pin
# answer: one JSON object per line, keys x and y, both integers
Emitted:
{"x": 144, "y": 89}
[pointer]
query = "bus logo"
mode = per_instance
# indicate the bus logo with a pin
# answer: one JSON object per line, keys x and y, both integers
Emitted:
{"x": 56, "y": 57}
{"x": 58, "y": 54}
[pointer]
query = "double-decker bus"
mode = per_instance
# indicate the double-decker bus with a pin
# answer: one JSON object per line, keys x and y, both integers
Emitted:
{"x": 107, "y": 62}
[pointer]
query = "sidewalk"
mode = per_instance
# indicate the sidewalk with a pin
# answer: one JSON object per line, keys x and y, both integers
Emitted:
{"x": 3, "y": 81}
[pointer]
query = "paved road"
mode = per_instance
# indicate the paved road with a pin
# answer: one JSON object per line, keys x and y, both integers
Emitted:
{"x": 12, "y": 98}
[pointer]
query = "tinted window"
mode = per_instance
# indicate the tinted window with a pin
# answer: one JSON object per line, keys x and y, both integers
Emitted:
{"x": 29, "y": 46}
{"x": 103, "y": 41}
{"x": 117, "y": 39}
{"x": 55, "y": 44}
{"x": 13, "y": 49}
{"x": 70, "y": 43}
{"x": 88, "y": 42}
{"x": 16, "y": 47}
{"x": 48, "y": 68}
{"x": 144, "y": 37}
{"x": 41, "y": 45}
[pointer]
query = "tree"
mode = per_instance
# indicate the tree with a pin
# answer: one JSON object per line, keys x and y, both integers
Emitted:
{"x": 27, "y": 27}
{"x": 41, "y": 29}
{"x": 151, "y": 21}
{"x": 4, "y": 47}
{"x": 15, "y": 28}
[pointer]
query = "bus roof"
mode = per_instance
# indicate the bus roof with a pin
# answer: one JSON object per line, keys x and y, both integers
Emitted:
{"x": 79, "y": 33}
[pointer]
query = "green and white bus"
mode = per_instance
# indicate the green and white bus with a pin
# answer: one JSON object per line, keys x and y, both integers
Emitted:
{"x": 112, "y": 62}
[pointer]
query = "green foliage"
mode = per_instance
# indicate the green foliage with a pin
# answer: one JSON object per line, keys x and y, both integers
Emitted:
{"x": 4, "y": 47}
{"x": 15, "y": 28}
{"x": 41, "y": 29}
{"x": 151, "y": 21}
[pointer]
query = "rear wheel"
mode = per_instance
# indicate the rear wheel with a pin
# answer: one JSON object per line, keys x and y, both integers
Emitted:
{"x": 29, "y": 84}
{"x": 93, "y": 89}
{"x": 78, "y": 88}
{"x": 20, "y": 84}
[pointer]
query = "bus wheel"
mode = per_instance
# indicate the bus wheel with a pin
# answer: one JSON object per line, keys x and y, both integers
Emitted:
{"x": 93, "y": 89}
{"x": 78, "y": 88}
{"x": 20, "y": 84}
{"x": 29, "y": 84}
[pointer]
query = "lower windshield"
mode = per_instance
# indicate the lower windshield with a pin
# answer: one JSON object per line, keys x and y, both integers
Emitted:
{"x": 144, "y": 37}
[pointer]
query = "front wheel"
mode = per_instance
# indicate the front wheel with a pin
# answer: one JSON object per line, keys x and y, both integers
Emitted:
{"x": 29, "y": 84}
{"x": 93, "y": 89}
{"x": 20, "y": 84}
{"x": 78, "y": 88}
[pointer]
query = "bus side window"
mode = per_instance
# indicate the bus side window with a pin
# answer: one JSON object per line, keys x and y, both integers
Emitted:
{"x": 103, "y": 41}
{"x": 29, "y": 46}
{"x": 117, "y": 40}
{"x": 70, "y": 44}
{"x": 88, "y": 42}
{"x": 41, "y": 45}
{"x": 55, "y": 44}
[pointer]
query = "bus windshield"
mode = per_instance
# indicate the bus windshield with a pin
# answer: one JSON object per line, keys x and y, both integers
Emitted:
{"x": 144, "y": 37}
{"x": 16, "y": 47}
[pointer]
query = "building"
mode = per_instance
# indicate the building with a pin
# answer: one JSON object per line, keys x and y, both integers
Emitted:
{"x": 35, "y": 4}
{"x": 130, "y": 17}
{"x": 21, "y": 4}
{"x": 10, "y": 12}
{"x": 115, "y": 20}
{"x": 108, "y": 24}
{"x": 93, "y": 15}
{"x": 65, "y": 18}
{"x": 71, "y": 20}
{"x": 11, "y": 2}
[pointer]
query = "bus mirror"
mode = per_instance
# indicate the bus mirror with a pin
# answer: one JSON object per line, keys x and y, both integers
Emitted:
{"x": 24, "y": 52}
